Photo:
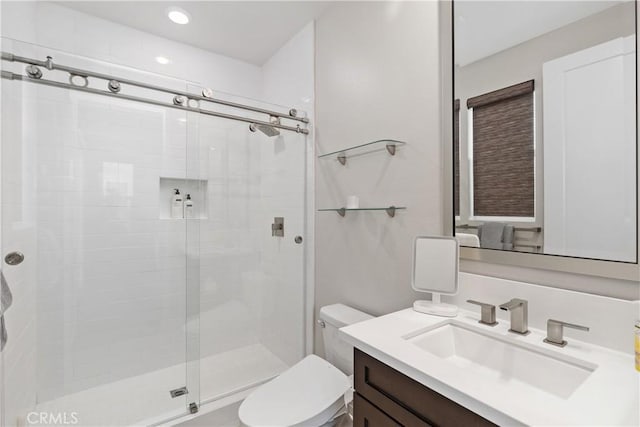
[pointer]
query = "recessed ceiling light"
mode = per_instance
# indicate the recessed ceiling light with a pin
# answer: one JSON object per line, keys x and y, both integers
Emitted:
{"x": 178, "y": 15}
{"x": 162, "y": 60}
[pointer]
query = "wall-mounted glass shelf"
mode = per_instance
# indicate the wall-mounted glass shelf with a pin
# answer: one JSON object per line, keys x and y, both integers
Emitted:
{"x": 389, "y": 144}
{"x": 391, "y": 210}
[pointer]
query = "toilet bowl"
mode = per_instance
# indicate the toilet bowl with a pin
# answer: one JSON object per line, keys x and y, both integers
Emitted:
{"x": 311, "y": 392}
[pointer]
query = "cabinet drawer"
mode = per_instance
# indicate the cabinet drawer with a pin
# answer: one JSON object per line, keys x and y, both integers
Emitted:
{"x": 367, "y": 415}
{"x": 395, "y": 394}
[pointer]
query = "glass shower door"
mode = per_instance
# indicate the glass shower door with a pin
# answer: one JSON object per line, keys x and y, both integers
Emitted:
{"x": 97, "y": 331}
{"x": 250, "y": 291}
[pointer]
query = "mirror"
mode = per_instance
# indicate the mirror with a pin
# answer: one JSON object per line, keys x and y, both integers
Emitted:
{"x": 544, "y": 137}
{"x": 435, "y": 270}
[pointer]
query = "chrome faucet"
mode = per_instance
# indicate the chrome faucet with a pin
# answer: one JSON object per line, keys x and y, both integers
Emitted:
{"x": 555, "y": 331}
{"x": 518, "y": 308}
{"x": 487, "y": 312}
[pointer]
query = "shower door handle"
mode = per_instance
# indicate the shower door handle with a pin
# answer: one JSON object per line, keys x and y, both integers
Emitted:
{"x": 14, "y": 258}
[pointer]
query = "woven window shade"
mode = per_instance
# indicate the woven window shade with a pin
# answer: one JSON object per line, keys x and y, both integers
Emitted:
{"x": 503, "y": 152}
{"x": 456, "y": 157}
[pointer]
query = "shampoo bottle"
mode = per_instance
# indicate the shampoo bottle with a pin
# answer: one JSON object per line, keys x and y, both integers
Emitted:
{"x": 188, "y": 207}
{"x": 176, "y": 205}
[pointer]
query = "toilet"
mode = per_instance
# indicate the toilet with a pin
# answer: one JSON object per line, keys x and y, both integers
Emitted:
{"x": 311, "y": 392}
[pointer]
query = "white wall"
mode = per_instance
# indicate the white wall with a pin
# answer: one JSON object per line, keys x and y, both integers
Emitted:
{"x": 376, "y": 77}
{"x": 288, "y": 76}
{"x": 50, "y": 25}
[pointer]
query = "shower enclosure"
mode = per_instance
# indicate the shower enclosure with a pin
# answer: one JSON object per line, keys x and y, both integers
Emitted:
{"x": 123, "y": 312}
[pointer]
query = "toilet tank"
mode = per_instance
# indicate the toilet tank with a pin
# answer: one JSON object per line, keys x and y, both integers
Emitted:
{"x": 338, "y": 352}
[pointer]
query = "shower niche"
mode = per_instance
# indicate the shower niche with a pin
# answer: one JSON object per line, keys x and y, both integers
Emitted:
{"x": 196, "y": 188}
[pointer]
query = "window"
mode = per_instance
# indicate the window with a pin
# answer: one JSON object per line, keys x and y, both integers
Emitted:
{"x": 503, "y": 152}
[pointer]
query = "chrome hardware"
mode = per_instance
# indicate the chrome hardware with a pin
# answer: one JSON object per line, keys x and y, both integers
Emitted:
{"x": 252, "y": 127}
{"x": 555, "y": 332}
{"x": 342, "y": 158}
{"x": 35, "y": 76}
{"x": 293, "y": 112}
{"x": 33, "y": 71}
{"x": 179, "y": 100}
{"x": 277, "y": 228}
{"x": 298, "y": 239}
{"x": 193, "y": 408}
{"x": 519, "y": 310}
{"x": 178, "y": 392}
{"x": 78, "y": 80}
{"x": 391, "y": 211}
{"x": 207, "y": 92}
{"x": 193, "y": 103}
{"x": 391, "y": 148}
{"x": 14, "y": 258}
{"x": 114, "y": 86}
{"x": 342, "y": 211}
{"x": 487, "y": 313}
{"x": 321, "y": 323}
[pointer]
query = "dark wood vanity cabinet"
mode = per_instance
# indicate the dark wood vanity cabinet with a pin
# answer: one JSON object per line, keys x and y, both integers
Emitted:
{"x": 385, "y": 397}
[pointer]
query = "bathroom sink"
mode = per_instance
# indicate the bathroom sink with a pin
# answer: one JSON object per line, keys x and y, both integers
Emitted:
{"x": 495, "y": 359}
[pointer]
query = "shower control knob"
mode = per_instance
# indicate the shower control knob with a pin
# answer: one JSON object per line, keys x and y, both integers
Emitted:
{"x": 14, "y": 258}
{"x": 298, "y": 239}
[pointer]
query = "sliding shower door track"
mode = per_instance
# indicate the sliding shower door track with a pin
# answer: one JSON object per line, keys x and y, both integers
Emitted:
{"x": 181, "y": 100}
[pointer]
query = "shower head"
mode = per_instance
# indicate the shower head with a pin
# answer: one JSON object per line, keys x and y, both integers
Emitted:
{"x": 270, "y": 131}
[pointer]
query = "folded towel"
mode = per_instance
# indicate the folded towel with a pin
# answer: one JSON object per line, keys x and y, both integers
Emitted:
{"x": 490, "y": 235}
{"x": 5, "y": 302}
{"x": 496, "y": 235}
{"x": 507, "y": 237}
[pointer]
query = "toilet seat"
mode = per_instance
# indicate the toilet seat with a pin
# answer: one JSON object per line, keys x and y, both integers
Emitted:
{"x": 308, "y": 394}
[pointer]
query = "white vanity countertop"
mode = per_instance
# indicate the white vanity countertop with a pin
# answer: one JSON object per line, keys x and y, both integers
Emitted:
{"x": 609, "y": 396}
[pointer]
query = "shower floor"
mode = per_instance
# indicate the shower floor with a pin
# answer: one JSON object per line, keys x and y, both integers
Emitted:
{"x": 145, "y": 399}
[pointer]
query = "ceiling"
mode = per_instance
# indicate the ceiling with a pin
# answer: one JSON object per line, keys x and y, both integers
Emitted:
{"x": 484, "y": 28}
{"x": 251, "y": 31}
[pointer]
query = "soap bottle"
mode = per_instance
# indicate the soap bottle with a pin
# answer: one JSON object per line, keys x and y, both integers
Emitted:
{"x": 188, "y": 207}
{"x": 176, "y": 205}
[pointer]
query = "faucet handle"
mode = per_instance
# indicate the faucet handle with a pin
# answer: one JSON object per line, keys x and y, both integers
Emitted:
{"x": 555, "y": 331}
{"x": 487, "y": 312}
